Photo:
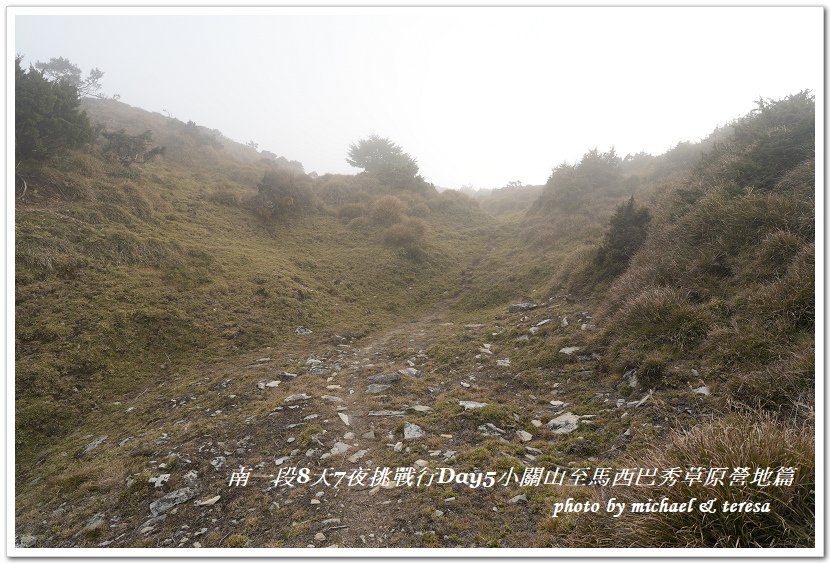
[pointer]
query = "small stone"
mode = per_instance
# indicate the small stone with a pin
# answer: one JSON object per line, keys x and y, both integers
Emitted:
{"x": 339, "y": 448}
{"x": 296, "y": 397}
{"x": 384, "y": 378}
{"x": 97, "y": 521}
{"x": 568, "y": 350}
{"x": 160, "y": 480}
{"x": 536, "y": 422}
{"x": 519, "y": 498}
{"x": 411, "y": 372}
{"x": 412, "y": 431}
{"x": 315, "y": 501}
{"x": 465, "y": 384}
{"x": 197, "y": 544}
{"x": 302, "y": 330}
{"x": 564, "y": 423}
{"x": 377, "y": 388}
{"x": 279, "y": 461}
{"x": 557, "y": 404}
{"x": 191, "y": 476}
{"x": 564, "y": 322}
{"x": 331, "y": 398}
{"x": 357, "y": 455}
{"x": 543, "y": 323}
{"x": 438, "y": 513}
{"x": 704, "y": 390}
{"x": 370, "y": 435}
{"x": 170, "y": 500}
{"x": 208, "y": 501}
{"x": 519, "y": 307}
{"x": 273, "y": 383}
{"x": 348, "y": 436}
{"x": 386, "y": 413}
{"x": 421, "y": 408}
{"x": 94, "y": 444}
{"x": 320, "y": 536}
{"x": 505, "y": 362}
{"x": 524, "y": 436}
{"x": 472, "y": 405}
{"x": 421, "y": 463}
{"x": 345, "y": 418}
{"x": 533, "y": 330}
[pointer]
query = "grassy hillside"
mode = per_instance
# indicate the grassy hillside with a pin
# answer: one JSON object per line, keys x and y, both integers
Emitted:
{"x": 157, "y": 304}
{"x": 128, "y": 274}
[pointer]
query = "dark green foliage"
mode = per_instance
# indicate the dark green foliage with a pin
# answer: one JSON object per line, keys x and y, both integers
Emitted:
{"x": 47, "y": 118}
{"x": 627, "y": 233}
{"x": 61, "y": 70}
{"x": 128, "y": 149}
{"x": 765, "y": 144}
{"x": 569, "y": 186}
{"x": 384, "y": 159}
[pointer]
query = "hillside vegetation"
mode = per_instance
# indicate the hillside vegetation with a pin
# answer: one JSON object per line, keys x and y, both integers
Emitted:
{"x": 185, "y": 304}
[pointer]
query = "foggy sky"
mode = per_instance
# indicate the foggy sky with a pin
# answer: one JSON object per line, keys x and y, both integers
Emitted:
{"x": 478, "y": 96}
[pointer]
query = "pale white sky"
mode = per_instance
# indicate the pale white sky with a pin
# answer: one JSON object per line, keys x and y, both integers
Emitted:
{"x": 477, "y": 95}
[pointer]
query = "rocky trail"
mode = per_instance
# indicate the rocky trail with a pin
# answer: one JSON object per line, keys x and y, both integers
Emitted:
{"x": 329, "y": 441}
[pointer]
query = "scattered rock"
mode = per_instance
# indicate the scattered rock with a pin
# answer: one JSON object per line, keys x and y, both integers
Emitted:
{"x": 386, "y": 413}
{"x": 490, "y": 429}
{"x": 519, "y": 307}
{"x": 357, "y": 455}
{"x": 93, "y": 444}
{"x": 519, "y": 498}
{"x": 412, "y": 431}
{"x": 218, "y": 462}
{"x": 421, "y": 463}
{"x": 564, "y": 322}
{"x": 543, "y": 323}
{"x": 345, "y": 418}
{"x": 473, "y": 325}
{"x": 302, "y": 330}
{"x": 273, "y": 383}
{"x": 505, "y": 362}
{"x": 280, "y": 460}
{"x": 160, "y": 480}
{"x": 564, "y": 423}
{"x": 557, "y": 404}
{"x": 631, "y": 376}
{"x": 97, "y": 521}
{"x": 377, "y": 388}
{"x": 411, "y": 372}
{"x": 191, "y": 476}
{"x": 524, "y": 436}
{"x": 208, "y": 501}
{"x": 26, "y": 540}
{"x": 339, "y": 448}
{"x": 472, "y": 405}
{"x": 370, "y": 435}
{"x": 704, "y": 390}
{"x": 384, "y": 378}
{"x": 533, "y": 330}
{"x": 421, "y": 408}
{"x": 568, "y": 350}
{"x": 296, "y": 397}
{"x": 320, "y": 536}
{"x": 170, "y": 500}
{"x": 536, "y": 422}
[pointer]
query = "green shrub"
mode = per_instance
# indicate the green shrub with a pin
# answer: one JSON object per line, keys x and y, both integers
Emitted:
{"x": 407, "y": 234}
{"x": 625, "y": 236}
{"x": 387, "y": 210}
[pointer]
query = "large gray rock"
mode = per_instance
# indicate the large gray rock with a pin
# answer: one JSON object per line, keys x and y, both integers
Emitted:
{"x": 564, "y": 423}
{"x": 170, "y": 500}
